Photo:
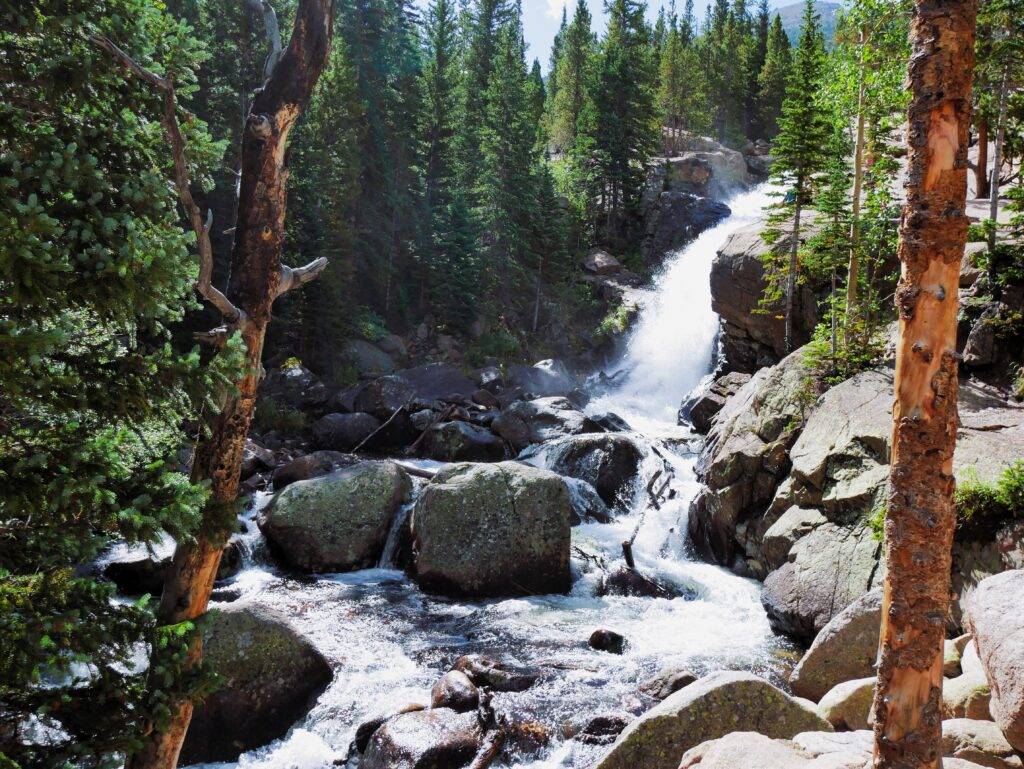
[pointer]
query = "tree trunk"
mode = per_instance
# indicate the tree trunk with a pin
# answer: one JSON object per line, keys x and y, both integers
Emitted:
{"x": 853, "y": 270}
{"x": 794, "y": 248}
{"x": 920, "y": 516}
{"x": 997, "y": 161}
{"x": 981, "y": 170}
{"x": 257, "y": 279}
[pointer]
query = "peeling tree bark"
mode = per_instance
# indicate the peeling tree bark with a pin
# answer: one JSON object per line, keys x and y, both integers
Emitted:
{"x": 257, "y": 279}
{"x": 920, "y": 516}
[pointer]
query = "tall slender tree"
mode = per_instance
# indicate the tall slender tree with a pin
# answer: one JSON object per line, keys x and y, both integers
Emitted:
{"x": 771, "y": 82}
{"x": 801, "y": 147}
{"x": 573, "y": 72}
{"x": 919, "y": 519}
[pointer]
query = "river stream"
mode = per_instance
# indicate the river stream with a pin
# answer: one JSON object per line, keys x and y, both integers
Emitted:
{"x": 388, "y": 641}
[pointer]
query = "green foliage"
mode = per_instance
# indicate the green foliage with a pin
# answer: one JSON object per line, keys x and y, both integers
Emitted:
{"x": 876, "y": 521}
{"x": 272, "y": 415}
{"x": 983, "y": 507}
{"x": 497, "y": 344}
{"x": 95, "y": 271}
{"x": 615, "y": 322}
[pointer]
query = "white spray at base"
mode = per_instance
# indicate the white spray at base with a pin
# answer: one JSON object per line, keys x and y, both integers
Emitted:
{"x": 671, "y": 346}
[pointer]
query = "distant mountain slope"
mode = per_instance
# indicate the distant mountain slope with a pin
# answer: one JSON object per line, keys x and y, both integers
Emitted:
{"x": 791, "y": 15}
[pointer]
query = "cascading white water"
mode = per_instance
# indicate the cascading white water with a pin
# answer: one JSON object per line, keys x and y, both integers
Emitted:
{"x": 669, "y": 350}
{"x": 388, "y": 641}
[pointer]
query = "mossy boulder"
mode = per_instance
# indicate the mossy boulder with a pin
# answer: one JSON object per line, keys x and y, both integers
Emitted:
{"x": 493, "y": 529}
{"x": 270, "y": 677}
{"x": 705, "y": 710}
{"x": 339, "y": 521}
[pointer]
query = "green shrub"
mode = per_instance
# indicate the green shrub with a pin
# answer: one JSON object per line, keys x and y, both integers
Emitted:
{"x": 876, "y": 520}
{"x": 982, "y": 507}
{"x": 497, "y": 344}
{"x": 370, "y": 326}
{"x": 615, "y": 322}
{"x": 271, "y": 415}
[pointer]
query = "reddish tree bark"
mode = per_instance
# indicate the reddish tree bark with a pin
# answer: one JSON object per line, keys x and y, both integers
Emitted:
{"x": 920, "y": 517}
{"x": 257, "y": 279}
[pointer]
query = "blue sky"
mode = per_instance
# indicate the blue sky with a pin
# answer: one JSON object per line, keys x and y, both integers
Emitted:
{"x": 542, "y": 17}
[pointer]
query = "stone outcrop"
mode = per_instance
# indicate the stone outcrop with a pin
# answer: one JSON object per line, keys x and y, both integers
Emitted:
{"x": 978, "y": 741}
{"x": 609, "y": 462}
{"x": 673, "y": 219}
{"x": 544, "y": 379}
{"x": 996, "y": 620}
{"x": 462, "y": 442}
{"x": 844, "y": 650}
{"x": 493, "y": 529}
{"x": 426, "y": 739}
{"x": 342, "y": 432}
{"x": 337, "y": 522}
{"x": 525, "y": 423}
{"x": 848, "y": 705}
{"x": 705, "y": 710}
{"x": 270, "y": 677}
{"x": 702, "y": 408}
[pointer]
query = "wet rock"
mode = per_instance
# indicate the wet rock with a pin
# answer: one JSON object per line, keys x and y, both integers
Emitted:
{"x": 270, "y": 677}
{"x": 714, "y": 171}
{"x": 496, "y": 675}
{"x": 462, "y": 442}
{"x": 995, "y": 618}
{"x": 454, "y": 690}
{"x": 587, "y": 504}
{"x": 337, "y": 522}
{"x": 366, "y": 729}
{"x": 701, "y": 409}
{"x": 844, "y": 650}
{"x": 605, "y": 640}
{"x": 545, "y": 379}
{"x": 383, "y": 396}
{"x": 491, "y": 379}
{"x": 600, "y": 262}
{"x": 848, "y": 705}
{"x": 706, "y": 710}
{"x": 524, "y": 423}
{"x": 828, "y": 570}
{"x": 312, "y": 465}
{"x": 626, "y": 581}
{"x": 494, "y": 529}
{"x": 668, "y": 682}
{"x": 343, "y": 432}
{"x": 978, "y": 741}
{"x": 604, "y": 728}
{"x": 611, "y": 422}
{"x": 607, "y": 461}
{"x": 256, "y": 458}
{"x": 674, "y": 219}
{"x": 430, "y": 739}
{"x": 967, "y": 696}
{"x": 366, "y": 357}
{"x": 485, "y": 398}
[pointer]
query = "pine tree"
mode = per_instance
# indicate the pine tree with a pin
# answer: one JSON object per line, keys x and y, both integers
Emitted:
{"x": 757, "y": 52}
{"x": 801, "y": 147}
{"x": 556, "y": 54}
{"x": 439, "y": 124}
{"x": 573, "y": 72}
{"x": 771, "y": 81}
{"x": 538, "y": 95}
{"x": 625, "y": 129}
{"x": 94, "y": 276}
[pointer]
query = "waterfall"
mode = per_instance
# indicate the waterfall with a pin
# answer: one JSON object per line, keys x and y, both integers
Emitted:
{"x": 671, "y": 346}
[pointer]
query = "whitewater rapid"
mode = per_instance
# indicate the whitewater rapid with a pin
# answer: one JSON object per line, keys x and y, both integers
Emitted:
{"x": 388, "y": 642}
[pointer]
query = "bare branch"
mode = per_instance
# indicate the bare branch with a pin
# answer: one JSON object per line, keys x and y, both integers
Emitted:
{"x": 181, "y": 181}
{"x": 273, "y": 33}
{"x": 293, "y": 277}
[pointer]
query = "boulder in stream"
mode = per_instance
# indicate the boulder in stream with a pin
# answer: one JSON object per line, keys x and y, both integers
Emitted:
{"x": 524, "y": 423}
{"x": 337, "y": 522}
{"x": 462, "y": 442}
{"x": 438, "y": 738}
{"x": 493, "y": 529}
{"x": 610, "y": 462}
{"x": 270, "y": 678}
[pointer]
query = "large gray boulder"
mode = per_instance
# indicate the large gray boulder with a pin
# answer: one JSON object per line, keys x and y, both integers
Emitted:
{"x": 270, "y": 677}
{"x": 437, "y": 381}
{"x": 525, "y": 423}
{"x": 995, "y": 618}
{"x": 705, "y": 710}
{"x": 438, "y": 738}
{"x": 978, "y": 741}
{"x": 709, "y": 171}
{"x": 701, "y": 409}
{"x": 311, "y": 465}
{"x": 674, "y": 219}
{"x": 493, "y": 529}
{"x": 544, "y": 379}
{"x": 793, "y": 525}
{"x": 848, "y": 705}
{"x": 749, "y": 750}
{"x": 844, "y": 650}
{"x": 828, "y": 570}
{"x": 366, "y": 357}
{"x": 609, "y": 462}
{"x": 462, "y": 442}
{"x": 337, "y": 522}
{"x": 343, "y": 432}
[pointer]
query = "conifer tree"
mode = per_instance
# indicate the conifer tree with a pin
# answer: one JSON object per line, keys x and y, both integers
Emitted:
{"x": 94, "y": 275}
{"x": 801, "y": 147}
{"x": 771, "y": 82}
{"x": 440, "y": 119}
{"x": 625, "y": 128}
{"x": 572, "y": 72}
{"x": 556, "y": 54}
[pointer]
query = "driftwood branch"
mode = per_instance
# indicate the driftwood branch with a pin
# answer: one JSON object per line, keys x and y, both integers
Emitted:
{"x": 293, "y": 277}
{"x": 200, "y": 226}
{"x": 270, "y": 25}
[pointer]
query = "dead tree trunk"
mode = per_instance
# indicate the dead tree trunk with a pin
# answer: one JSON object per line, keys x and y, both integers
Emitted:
{"x": 257, "y": 279}
{"x": 981, "y": 169}
{"x": 920, "y": 516}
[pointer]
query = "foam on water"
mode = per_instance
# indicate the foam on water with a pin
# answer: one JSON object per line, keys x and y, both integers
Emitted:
{"x": 388, "y": 641}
